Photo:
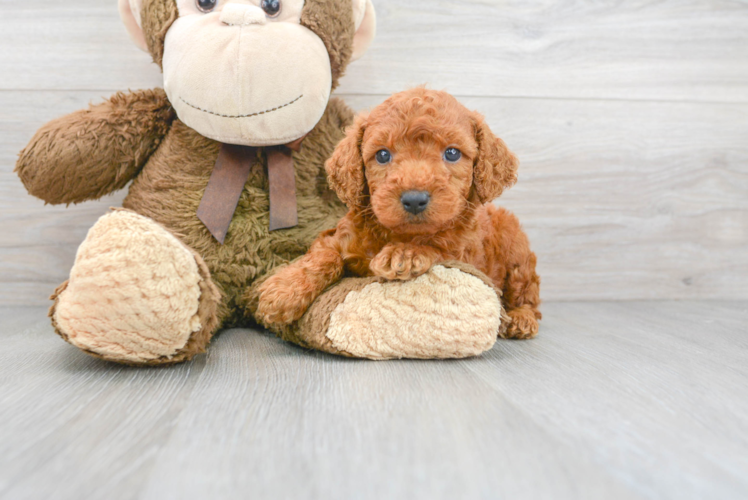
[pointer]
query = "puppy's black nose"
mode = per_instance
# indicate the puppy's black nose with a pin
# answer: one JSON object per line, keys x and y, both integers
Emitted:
{"x": 415, "y": 202}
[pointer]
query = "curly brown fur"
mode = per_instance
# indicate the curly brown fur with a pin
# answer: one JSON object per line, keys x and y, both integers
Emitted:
{"x": 378, "y": 237}
{"x": 90, "y": 153}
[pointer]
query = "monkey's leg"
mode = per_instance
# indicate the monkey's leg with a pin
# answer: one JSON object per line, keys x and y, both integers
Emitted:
{"x": 452, "y": 311}
{"x": 136, "y": 295}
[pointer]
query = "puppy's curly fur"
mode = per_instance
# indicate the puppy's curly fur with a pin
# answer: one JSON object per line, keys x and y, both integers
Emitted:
{"x": 380, "y": 237}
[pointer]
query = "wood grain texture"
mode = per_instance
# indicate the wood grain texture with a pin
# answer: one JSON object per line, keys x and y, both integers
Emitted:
{"x": 630, "y": 119}
{"x": 622, "y": 200}
{"x": 639, "y": 49}
{"x": 612, "y": 400}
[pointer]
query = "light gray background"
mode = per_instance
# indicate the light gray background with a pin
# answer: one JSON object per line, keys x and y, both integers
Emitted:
{"x": 631, "y": 122}
{"x": 630, "y": 119}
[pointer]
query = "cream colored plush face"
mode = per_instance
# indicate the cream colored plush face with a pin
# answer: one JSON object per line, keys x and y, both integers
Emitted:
{"x": 237, "y": 76}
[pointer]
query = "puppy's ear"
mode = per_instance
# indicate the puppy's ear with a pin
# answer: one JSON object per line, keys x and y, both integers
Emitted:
{"x": 495, "y": 167}
{"x": 345, "y": 169}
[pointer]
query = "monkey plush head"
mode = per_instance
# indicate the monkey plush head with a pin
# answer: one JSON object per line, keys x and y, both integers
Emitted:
{"x": 251, "y": 72}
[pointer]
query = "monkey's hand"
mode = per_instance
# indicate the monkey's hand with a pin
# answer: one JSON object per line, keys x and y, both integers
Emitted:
{"x": 403, "y": 261}
{"x": 90, "y": 153}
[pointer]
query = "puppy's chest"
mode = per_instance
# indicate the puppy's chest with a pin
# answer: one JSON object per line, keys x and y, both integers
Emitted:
{"x": 359, "y": 253}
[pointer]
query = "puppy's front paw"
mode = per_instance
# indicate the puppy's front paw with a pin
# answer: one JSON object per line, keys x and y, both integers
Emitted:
{"x": 524, "y": 323}
{"x": 401, "y": 261}
{"x": 282, "y": 298}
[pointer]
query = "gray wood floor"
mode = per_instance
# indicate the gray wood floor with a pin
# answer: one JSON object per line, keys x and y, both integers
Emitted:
{"x": 613, "y": 400}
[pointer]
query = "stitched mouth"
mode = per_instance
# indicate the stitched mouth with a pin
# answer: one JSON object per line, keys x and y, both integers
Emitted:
{"x": 242, "y": 116}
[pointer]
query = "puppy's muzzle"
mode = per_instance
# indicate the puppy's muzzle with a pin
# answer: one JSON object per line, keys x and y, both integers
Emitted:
{"x": 415, "y": 202}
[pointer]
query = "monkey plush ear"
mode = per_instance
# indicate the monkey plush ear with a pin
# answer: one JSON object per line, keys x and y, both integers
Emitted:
{"x": 345, "y": 169}
{"x": 129, "y": 11}
{"x": 366, "y": 27}
{"x": 495, "y": 167}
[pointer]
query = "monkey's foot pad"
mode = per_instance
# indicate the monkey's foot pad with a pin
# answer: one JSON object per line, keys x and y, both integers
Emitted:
{"x": 453, "y": 311}
{"x": 136, "y": 294}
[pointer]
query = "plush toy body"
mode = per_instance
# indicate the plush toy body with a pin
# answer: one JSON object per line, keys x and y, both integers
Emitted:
{"x": 169, "y": 187}
{"x": 154, "y": 281}
{"x": 416, "y": 173}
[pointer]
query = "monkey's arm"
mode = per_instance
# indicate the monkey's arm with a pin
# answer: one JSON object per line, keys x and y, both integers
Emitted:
{"x": 90, "y": 153}
{"x": 287, "y": 295}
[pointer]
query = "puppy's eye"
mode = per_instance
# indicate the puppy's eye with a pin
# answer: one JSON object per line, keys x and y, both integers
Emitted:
{"x": 452, "y": 155}
{"x": 384, "y": 157}
{"x": 271, "y": 7}
{"x": 206, "y": 5}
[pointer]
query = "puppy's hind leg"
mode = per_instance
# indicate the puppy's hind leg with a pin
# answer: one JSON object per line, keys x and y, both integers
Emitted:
{"x": 513, "y": 270}
{"x": 522, "y": 299}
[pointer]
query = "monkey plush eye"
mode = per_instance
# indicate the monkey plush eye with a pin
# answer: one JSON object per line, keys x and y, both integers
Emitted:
{"x": 206, "y": 5}
{"x": 271, "y": 7}
{"x": 384, "y": 157}
{"x": 452, "y": 155}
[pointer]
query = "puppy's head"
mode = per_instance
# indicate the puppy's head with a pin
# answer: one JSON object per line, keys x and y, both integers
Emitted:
{"x": 421, "y": 160}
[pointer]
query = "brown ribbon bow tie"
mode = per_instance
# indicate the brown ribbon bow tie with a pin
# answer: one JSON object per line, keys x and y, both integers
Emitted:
{"x": 229, "y": 177}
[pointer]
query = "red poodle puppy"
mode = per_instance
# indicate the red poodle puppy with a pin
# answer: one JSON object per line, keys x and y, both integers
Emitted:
{"x": 417, "y": 174}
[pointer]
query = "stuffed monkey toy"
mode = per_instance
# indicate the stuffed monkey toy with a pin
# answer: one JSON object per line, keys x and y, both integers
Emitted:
{"x": 228, "y": 183}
